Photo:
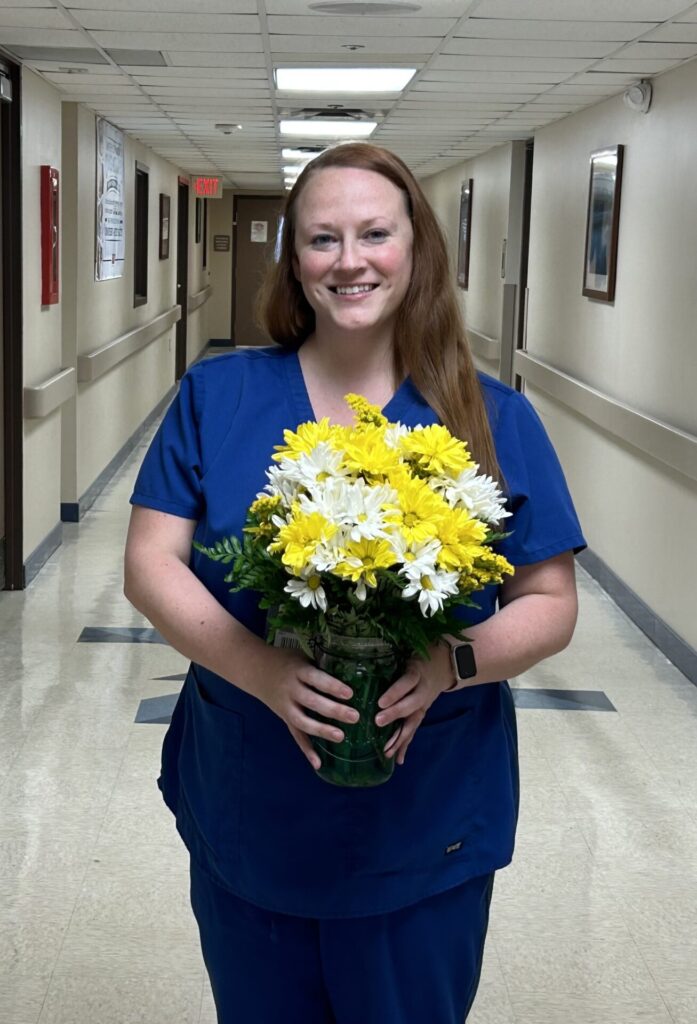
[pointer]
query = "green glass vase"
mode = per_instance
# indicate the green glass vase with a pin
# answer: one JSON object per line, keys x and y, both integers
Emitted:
{"x": 369, "y": 666}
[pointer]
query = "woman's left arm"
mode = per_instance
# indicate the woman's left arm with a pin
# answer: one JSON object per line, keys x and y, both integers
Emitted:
{"x": 537, "y": 614}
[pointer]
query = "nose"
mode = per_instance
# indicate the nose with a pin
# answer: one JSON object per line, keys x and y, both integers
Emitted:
{"x": 350, "y": 255}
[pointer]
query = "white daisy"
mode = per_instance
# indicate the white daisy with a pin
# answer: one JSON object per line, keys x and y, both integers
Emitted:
{"x": 431, "y": 588}
{"x": 308, "y": 590}
{"x": 479, "y": 494}
{"x": 321, "y": 464}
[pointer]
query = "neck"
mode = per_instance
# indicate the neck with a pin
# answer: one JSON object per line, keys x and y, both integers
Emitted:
{"x": 350, "y": 360}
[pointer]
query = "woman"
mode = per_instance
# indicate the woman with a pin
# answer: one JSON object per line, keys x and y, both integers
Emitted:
{"x": 317, "y": 904}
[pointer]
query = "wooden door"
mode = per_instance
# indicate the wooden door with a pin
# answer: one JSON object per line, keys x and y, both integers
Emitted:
{"x": 256, "y": 226}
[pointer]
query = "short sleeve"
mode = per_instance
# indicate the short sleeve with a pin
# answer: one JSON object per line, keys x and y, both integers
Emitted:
{"x": 169, "y": 479}
{"x": 543, "y": 522}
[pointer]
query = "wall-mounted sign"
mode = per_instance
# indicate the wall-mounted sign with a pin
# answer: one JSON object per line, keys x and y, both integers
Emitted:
{"x": 259, "y": 231}
{"x": 50, "y": 245}
{"x": 221, "y": 243}
{"x": 206, "y": 186}
{"x": 110, "y": 238}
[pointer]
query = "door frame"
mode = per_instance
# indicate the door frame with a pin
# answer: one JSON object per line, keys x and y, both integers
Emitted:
{"x": 182, "y": 275}
{"x": 11, "y": 241}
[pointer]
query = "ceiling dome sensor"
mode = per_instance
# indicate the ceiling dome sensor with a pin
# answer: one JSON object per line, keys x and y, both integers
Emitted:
{"x": 638, "y": 96}
{"x": 336, "y": 7}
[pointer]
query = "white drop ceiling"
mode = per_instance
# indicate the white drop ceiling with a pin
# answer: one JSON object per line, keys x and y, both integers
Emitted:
{"x": 488, "y": 71}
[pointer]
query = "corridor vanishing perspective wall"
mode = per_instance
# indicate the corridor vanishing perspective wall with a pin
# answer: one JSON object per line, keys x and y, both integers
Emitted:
{"x": 67, "y": 450}
{"x": 639, "y": 352}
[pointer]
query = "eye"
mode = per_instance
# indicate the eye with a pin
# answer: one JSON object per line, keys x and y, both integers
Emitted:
{"x": 322, "y": 241}
{"x": 376, "y": 235}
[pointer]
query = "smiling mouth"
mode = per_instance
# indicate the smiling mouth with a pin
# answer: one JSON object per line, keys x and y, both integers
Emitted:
{"x": 352, "y": 289}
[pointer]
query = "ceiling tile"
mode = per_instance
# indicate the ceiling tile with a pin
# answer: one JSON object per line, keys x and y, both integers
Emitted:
{"x": 529, "y": 48}
{"x": 581, "y": 10}
{"x": 132, "y": 21}
{"x": 537, "y": 28}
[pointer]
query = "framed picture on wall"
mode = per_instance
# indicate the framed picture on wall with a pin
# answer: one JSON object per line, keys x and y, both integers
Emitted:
{"x": 199, "y": 204}
{"x": 464, "y": 235}
{"x": 603, "y": 224}
{"x": 164, "y": 226}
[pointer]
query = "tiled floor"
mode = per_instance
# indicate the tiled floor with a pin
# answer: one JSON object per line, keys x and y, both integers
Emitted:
{"x": 594, "y": 923}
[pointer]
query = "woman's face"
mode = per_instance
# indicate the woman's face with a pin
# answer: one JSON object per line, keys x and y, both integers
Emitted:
{"x": 353, "y": 250}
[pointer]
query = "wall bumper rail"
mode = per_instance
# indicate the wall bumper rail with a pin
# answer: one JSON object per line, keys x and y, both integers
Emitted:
{"x": 94, "y": 364}
{"x": 194, "y": 301}
{"x": 662, "y": 441}
{"x": 43, "y": 399}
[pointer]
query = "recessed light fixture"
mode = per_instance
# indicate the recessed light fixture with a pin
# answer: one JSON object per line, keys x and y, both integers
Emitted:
{"x": 329, "y": 129}
{"x": 300, "y": 154}
{"x": 337, "y": 7}
{"x": 228, "y": 129}
{"x": 343, "y": 79}
{"x": 74, "y": 71}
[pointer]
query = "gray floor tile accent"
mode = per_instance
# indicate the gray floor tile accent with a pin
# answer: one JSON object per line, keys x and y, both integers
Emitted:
{"x": 561, "y": 700}
{"x": 120, "y": 635}
{"x": 156, "y": 710}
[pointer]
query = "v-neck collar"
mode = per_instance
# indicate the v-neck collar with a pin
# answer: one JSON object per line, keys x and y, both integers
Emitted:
{"x": 297, "y": 387}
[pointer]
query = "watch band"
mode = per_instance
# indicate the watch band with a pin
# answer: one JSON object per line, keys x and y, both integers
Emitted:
{"x": 462, "y": 660}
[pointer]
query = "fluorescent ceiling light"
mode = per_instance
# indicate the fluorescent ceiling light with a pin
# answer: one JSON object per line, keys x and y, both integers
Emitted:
{"x": 293, "y": 170}
{"x": 329, "y": 129}
{"x": 299, "y": 154}
{"x": 343, "y": 79}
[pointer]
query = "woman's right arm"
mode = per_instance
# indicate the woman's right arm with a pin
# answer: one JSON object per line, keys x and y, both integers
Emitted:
{"x": 160, "y": 584}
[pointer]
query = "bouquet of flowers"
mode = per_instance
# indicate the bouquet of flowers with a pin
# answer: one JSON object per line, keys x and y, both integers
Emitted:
{"x": 376, "y": 530}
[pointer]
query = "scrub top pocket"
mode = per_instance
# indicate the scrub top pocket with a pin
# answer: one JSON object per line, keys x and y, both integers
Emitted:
{"x": 396, "y": 825}
{"x": 210, "y": 770}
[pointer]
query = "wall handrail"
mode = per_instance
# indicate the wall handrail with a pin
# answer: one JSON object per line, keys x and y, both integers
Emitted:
{"x": 484, "y": 346}
{"x": 94, "y": 364}
{"x": 198, "y": 298}
{"x": 42, "y": 399}
{"x": 668, "y": 444}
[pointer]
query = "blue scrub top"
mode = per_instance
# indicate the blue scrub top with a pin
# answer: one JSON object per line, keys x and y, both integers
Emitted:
{"x": 247, "y": 803}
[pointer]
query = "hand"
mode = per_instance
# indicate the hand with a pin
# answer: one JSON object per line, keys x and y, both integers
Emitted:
{"x": 410, "y": 697}
{"x": 293, "y": 685}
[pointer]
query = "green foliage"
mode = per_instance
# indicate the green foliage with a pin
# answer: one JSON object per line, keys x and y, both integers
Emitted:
{"x": 384, "y": 613}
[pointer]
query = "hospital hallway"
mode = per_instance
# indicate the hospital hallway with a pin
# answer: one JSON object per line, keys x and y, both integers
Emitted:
{"x": 595, "y": 922}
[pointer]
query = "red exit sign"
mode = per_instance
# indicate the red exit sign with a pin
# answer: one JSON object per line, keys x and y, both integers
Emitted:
{"x": 207, "y": 187}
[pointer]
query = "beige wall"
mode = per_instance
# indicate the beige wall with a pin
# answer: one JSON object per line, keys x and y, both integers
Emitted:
{"x": 111, "y": 408}
{"x": 481, "y": 303}
{"x": 66, "y": 451}
{"x": 640, "y": 349}
{"x": 41, "y": 144}
{"x": 219, "y": 305}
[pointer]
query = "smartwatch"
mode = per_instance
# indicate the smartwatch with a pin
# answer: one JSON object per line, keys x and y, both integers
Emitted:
{"x": 463, "y": 661}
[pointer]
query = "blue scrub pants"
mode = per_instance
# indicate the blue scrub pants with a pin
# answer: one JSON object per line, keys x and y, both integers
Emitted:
{"x": 417, "y": 965}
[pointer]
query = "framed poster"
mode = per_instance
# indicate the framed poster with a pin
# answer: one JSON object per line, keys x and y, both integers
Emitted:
{"x": 603, "y": 224}
{"x": 110, "y": 240}
{"x": 464, "y": 235}
{"x": 164, "y": 226}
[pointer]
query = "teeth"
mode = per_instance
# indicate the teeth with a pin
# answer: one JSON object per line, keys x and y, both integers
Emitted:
{"x": 354, "y": 289}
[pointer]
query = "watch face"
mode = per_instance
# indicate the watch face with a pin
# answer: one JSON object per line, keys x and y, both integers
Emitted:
{"x": 464, "y": 659}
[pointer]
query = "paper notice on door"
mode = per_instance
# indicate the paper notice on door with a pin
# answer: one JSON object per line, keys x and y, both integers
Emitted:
{"x": 259, "y": 231}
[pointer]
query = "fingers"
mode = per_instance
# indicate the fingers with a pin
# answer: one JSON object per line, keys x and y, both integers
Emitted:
{"x": 306, "y": 747}
{"x": 309, "y": 698}
{"x": 399, "y": 689}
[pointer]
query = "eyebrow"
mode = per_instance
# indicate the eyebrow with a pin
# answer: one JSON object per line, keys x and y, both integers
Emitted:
{"x": 371, "y": 221}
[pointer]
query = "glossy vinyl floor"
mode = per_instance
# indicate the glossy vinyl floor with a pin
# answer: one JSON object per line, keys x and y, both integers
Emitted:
{"x": 594, "y": 923}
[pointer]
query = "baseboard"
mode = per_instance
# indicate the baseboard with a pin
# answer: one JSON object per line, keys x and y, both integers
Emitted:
{"x": 73, "y": 512}
{"x": 41, "y": 554}
{"x": 677, "y": 650}
{"x": 226, "y": 342}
